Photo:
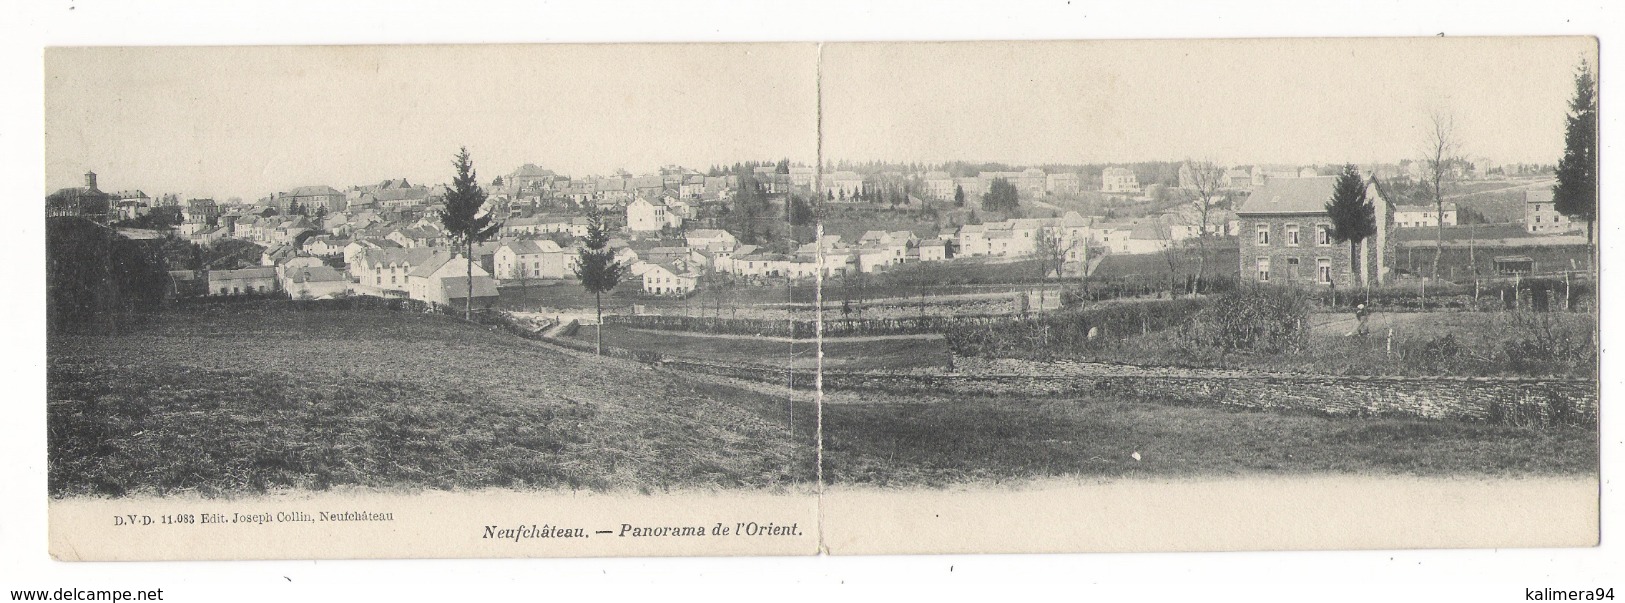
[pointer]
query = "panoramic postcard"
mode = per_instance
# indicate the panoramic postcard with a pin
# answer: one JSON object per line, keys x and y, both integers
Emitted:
{"x": 782, "y": 299}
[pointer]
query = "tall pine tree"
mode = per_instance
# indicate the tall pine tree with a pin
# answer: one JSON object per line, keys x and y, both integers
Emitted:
{"x": 464, "y": 221}
{"x": 597, "y": 268}
{"x": 1575, "y": 194}
{"x": 1354, "y": 218}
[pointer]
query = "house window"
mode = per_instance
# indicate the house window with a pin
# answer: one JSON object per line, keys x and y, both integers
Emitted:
{"x": 1264, "y": 269}
{"x": 1292, "y": 269}
{"x": 1323, "y": 268}
{"x": 1323, "y": 236}
{"x": 1292, "y": 235}
{"x": 1263, "y": 234}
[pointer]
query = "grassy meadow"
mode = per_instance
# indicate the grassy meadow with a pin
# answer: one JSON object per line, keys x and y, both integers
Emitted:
{"x": 246, "y": 401}
{"x": 953, "y": 439}
{"x": 1478, "y": 344}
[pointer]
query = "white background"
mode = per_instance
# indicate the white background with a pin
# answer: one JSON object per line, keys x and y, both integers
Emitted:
{"x": 27, "y": 27}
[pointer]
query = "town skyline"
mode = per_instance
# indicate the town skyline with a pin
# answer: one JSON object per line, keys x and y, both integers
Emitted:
{"x": 361, "y": 97}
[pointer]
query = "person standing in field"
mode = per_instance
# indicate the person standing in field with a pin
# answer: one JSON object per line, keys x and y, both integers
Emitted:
{"x": 1362, "y": 316}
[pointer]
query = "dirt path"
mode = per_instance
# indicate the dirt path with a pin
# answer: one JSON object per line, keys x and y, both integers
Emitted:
{"x": 920, "y": 336}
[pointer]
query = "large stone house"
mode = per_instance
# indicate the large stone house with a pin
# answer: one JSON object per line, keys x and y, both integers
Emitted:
{"x": 643, "y": 215}
{"x": 443, "y": 280}
{"x": 1424, "y": 215}
{"x": 669, "y": 278}
{"x": 314, "y": 282}
{"x": 1119, "y": 180}
{"x": 527, "y": 259}
{"x": 1541, "y": 216}
{"x": 311, "y": 197}
{"x": 1286, "y": 236}
{"x": 262, "y": 279}
{"x": 385, "y": 271}
{"x": 86, "y": 201}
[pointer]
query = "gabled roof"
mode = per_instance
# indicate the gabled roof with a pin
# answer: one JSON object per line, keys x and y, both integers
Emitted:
{"x": 1150, "y": 230}
{"x": 709, "y": 233}
{"x": 456, "y": 287}
{"x": 1538, "y": 195}
{"x": 675, "y": 268}
{"x": 1072, "y": 218}
{"x": 531, "y": 169}
{"x": 429, "y": 266}
{"x": 399, "y": 256}
{"x": 255, "y": 272}
{"x": 1425, "y": 207}
{"x": 532, "y": 247}
{"x": 315, "y": 274}
{"x": 379, "y": 243}
{"x": 1280, "y": 196}
{"x": 874, "y": 235}
{"x": 313, "y": 191}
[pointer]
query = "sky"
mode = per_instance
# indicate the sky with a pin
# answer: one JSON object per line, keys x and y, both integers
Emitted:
{"x": 1231, "y": 101}
{"x": 249, "y": 121}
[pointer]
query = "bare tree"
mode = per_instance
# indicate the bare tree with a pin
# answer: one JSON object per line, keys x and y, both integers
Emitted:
{"x": 523, "y": 278}
{"x": 1052, "y": 248}
{"x": 1175, "y": 255}
{"x": 1441, "y": 154}
{"x": 1206, "y": 178}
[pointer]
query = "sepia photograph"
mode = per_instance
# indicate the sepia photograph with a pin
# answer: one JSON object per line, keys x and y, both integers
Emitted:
{"x": 841, "y": 298}
{"x": 1354, "y": 275}
{"x": 300, "y": 288}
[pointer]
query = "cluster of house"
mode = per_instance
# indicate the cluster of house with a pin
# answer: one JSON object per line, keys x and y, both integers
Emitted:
{"x": 1286, "y": 235}
{"x": 300, "y": 278}
{"x": 391, "y": 243}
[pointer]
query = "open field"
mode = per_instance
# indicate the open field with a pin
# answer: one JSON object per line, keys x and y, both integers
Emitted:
{"x": 1530, "y": 344}
{"x": 864, "y": 353}
{"x": 262, "y": 398}
{"x": 895, "y": 441}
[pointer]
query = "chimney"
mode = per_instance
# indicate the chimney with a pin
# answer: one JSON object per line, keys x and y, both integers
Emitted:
{"x": 90, "y": 180}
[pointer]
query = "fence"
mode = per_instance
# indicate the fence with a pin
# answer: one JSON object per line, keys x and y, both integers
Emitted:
{"x": 1564, "y": 292}
{"x": 269, "y": 301}
{"x": 1049, "y": 335}
{"x": 807, "y": 329}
